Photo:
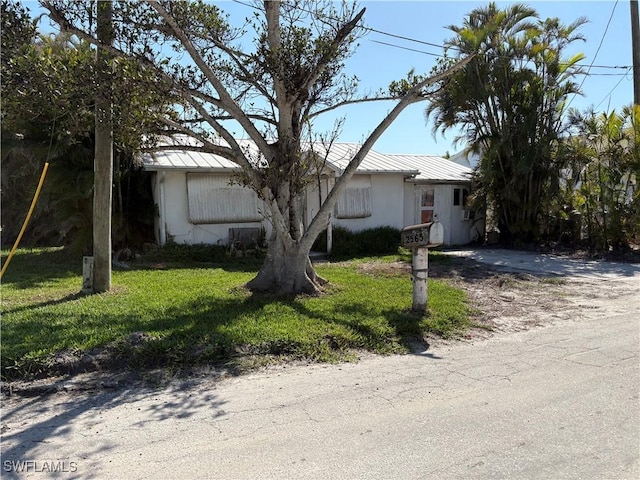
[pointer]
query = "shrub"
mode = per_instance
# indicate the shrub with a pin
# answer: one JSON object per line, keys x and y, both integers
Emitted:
{"x": 374, "y": 241}
{"x": 176, "y": 252}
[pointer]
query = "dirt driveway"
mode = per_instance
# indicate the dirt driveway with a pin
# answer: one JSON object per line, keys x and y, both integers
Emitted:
{"x": 515, "y": 290}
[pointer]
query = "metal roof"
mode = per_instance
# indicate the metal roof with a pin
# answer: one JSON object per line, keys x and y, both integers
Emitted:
{"x": 418, "y": 167}
{"x": 434, "y": 168}
{"x": 187, "y": 160}
{"x": 341, "y": 154}
{"x": 184, "y": 157}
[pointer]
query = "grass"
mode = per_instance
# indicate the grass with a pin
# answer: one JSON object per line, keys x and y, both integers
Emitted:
{"x": 196, "y": 313}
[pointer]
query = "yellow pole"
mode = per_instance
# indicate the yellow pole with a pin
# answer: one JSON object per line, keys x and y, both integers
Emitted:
{"x": 26, "y": 220}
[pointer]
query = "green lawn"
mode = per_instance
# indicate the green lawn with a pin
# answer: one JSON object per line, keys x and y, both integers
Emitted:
{"x": 190, "y": 313}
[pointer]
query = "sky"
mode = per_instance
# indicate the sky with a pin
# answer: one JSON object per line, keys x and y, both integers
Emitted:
{"x": 377, "y": 65}
{"x": 608, "y": 44}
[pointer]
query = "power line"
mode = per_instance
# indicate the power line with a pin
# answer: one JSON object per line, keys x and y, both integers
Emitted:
{"x": 606, "y": 29}
{"x": 407, "y": 48}
{"x": 608, "y": 95}
{"x": 617, "y": 67}
{"x": 409, "y": 39}
{"x": 423, "y": 42}
{"x": 586, "y": 74}
{"x": 402, "y": 37}
{"x": 609, "y": 74}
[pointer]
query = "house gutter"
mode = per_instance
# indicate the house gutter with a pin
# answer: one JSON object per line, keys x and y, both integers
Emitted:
{"x": 412, "y": 173}
{"x": 424, "y": 181}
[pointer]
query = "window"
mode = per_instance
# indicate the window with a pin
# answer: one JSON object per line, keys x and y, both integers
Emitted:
{"x": 213, "y": 200}
{"x": 427, "y": 197}
{"x": 459, "y": 199}
{"x": 355, "y": 201}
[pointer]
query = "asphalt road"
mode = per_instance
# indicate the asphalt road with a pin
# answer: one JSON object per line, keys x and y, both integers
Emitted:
{"x": 556, "y": 402}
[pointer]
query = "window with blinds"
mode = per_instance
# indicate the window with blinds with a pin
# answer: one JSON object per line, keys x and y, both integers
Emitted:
{"x": 213, "y": 200}
{"x": 355, "y": 201}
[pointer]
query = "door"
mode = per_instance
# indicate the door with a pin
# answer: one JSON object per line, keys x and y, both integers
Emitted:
{"x": 426, "y": 205}
{"x": 432, "y": 205}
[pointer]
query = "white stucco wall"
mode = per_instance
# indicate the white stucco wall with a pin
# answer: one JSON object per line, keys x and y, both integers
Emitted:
{"x": 457, "y": 231}
{"x": 175, "y": 212}
{"x": 387, "y": 197}
{"x": 313, "y": 197}
{"x": 394, "y": 203}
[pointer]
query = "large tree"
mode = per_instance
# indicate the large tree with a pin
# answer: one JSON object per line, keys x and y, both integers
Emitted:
{"x": 509, "y": 103}
{"x": 48, "y": 96}
{"x": 272, "y": 91}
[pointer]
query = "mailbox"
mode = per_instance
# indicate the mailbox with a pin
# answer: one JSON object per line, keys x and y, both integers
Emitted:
{"x": 423, "y": 235}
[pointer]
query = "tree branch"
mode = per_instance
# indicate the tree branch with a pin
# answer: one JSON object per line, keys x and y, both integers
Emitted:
{"x": 216, "y": 102}
{"x": 340, "y": 36}
{"x": 187, "y": 94}
{"x": 353, "y": 102}
{"x": 226, "y": 99}
{"x": 414, "y": 95}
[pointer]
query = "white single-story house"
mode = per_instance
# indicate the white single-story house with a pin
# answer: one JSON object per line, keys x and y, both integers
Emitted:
{"x": 198, "y": 201}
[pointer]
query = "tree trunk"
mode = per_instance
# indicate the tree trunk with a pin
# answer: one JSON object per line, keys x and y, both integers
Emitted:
{"x": 287, "y": 270}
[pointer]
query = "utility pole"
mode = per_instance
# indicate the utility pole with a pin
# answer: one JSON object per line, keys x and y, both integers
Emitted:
{"x": 635, "y": 49}
{"x": 103, "y": 160}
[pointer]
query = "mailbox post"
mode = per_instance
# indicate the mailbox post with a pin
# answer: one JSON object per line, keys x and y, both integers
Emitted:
{"x": 419, "y": 238}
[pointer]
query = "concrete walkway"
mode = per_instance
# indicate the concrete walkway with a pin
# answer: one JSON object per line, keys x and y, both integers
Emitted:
{"x": 542, "y": 263}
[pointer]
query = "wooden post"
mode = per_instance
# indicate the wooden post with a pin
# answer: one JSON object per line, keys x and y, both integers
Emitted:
{"x": 419, "y": 238}
{"x": 87, "y": 274}
{"x": 635, "y": 50}
{"x": 103, "y": 161}
{"x": 420, "y": 272}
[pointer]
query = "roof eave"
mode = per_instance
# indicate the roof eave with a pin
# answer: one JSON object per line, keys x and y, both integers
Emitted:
{"x": 194, "y": 169}
{"x": 438, "y": 180}
{"x": 388, "y": 172}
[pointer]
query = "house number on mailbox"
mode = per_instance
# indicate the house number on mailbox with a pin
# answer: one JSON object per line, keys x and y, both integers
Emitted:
{"x": 414, "y": 238}
{"x": 423, "y": 235}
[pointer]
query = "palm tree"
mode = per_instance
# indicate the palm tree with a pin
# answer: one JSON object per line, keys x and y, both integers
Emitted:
{"x": 509, "y": 102}
{"x": 606, "y": 156}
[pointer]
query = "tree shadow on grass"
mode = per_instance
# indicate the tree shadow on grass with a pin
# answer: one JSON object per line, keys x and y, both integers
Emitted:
{"x": 407, "y": 329}
{"x": 206, "y": 331}
{"x": 242, "y": 265}
{"x": 47, "y": 303}
{"x": 124, "y": 341}
{"x": 30, "y": 269}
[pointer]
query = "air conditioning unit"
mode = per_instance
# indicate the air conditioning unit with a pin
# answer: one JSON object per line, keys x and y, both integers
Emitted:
{"x": 466, "y": 214}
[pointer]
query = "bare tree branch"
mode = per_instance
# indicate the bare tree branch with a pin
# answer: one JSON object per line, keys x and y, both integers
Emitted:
{"x": 414, "y": 95}
{"x": 225, "y": 98}
{"x": 353, "y": 102}
{"x": 339, "y": 38}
